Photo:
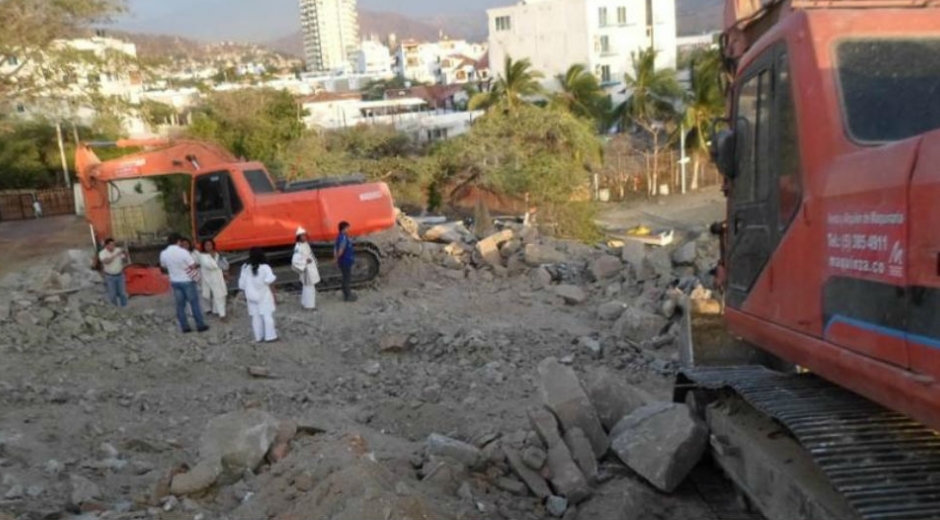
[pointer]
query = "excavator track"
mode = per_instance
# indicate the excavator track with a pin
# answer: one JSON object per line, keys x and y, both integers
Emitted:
{"x": 884, "y": 464}
{"x": 365, "y": 269}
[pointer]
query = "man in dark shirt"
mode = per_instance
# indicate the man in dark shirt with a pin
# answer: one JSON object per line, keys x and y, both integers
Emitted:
{"x": 343, "y": 252}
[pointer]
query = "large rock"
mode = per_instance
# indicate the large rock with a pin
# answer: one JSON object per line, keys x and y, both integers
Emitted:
{"x": 562, "y": 394}
{"x": 536, "y": 255}
{"x": 567, "y": 478}
{"x": 545, "y": 425}
{"x": 466, "y": 454}
{"x": 686, "y": 254}
{"x": 580, "y": 448}
{"x": 634, "y": 253}
{"x": 204, "y": 475}
{"x": 572, "y": 294}
{"x": 661, "y": 442}
{"x": 612, "y": 397}
{"x": 82, "y": 490}
{"x": 532, "y": 479}
{"x": 639, "y": 325}
{"x": 488, "y": 248}
{"x": 447, "y": 233}
{"x": 610, "y": 311}
{"x": 606, "y": 267}
{"x": 659, "y": 263}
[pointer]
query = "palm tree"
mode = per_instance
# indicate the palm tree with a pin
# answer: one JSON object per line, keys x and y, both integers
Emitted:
{"x": 651, "y": 105}
{"x": 582, "y": 95}
{"x": 703, "y": 104}
{"x": 517, "y": 81}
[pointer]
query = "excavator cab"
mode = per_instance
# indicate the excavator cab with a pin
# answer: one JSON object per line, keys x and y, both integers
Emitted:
{"x": 215, "y": 203}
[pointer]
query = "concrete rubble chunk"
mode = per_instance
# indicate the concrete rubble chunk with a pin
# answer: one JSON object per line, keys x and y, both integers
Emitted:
{"x": 639, "y": 325}
{"x": 633, "y": 253}
{"x": 536, "y": 255}
{"x": 610, "y": 311}
{"x": 511, "y": 485}
{"x": 606, "y": 267}
{"x": 572, "y": 294}
{"x": 612, "y": 397}
{"x": 447, "y": 233}
{"x": 201, "y": 477}
{"x": 393, "y": 343}
{"x": 83, "y": 490}
{"x": 561, "y": 392}
{"x": 556, "y": 506}
{"x": 661, "y": 442}
{"x": 583, "y": 454}
{"x": 545, "y": 425}
{"x": 685, "y": 254}
{"x": 488, "y": 248}
{"x": 534, "y": 457}
{"x": 466, "y": 454}
{"x": 659, "y": 262}
{"x": 566, "y": 477}
{"x": 533, "y": 480}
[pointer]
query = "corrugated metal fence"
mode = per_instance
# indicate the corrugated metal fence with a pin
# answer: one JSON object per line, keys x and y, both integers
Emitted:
{"x": 18, "y": 204}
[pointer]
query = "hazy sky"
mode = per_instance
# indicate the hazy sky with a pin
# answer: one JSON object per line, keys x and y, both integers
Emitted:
{"x": 262, "y": 20}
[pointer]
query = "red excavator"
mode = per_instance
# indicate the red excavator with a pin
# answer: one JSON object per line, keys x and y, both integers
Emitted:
{"x": 203, "y": 191}
{"x": 830, "y": 264}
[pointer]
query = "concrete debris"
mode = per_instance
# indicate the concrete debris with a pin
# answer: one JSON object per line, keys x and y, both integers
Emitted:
{"x": 566, "y": 477}
{"x": 511, "y": 485}
{"x": 534, "y": 457}
{"x": 662, "y": 442}
{"x": 83, "y": 490}
{"x": 613, "y": 398}
{"x": 591, "y": 345}
{"x": 466, "y": 454}
{"x": 393, "y": 343}
{"x": 545, "y": 425}
{"x": 447, "y": 233}
{"x": 536, "y": 255}
{"x": 606, "y": 267}
{"x": 580, "y": 448}
{"x": 561, "y": 392}
{"x": 556, "y": 506}
{"x": 572, "y": 294}
{"x": 637, "y": 324}
{"x": 259, "y": 372}
{"x": 533, "y": 480}
{"x": 489, "y": 247}
{"x": 610, "y": 311}
{"x": 685, "y": 254}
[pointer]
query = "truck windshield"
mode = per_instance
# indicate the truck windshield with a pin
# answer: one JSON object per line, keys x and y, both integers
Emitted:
{"x": 890, "y": 87}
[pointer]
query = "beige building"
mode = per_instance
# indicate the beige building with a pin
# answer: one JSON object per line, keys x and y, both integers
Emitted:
{"x": 331, "y": 33}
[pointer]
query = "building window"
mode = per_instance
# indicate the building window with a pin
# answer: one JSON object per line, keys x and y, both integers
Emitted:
{"x": 503, "y": 23}
{"x": 605, "y": 45}
{"x": 621, "y": 16}
{"x": 605, "y": 73}
{"x": 602, "y": 17}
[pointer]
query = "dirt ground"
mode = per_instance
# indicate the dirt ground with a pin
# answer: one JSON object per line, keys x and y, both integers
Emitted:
{"x": 119, "y": 397}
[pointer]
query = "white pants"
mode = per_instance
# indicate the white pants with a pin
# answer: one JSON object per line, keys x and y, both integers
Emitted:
{"x": 308, "y": 298}
{"x": 263, "y": 327}
{"x": 216, "y": 304}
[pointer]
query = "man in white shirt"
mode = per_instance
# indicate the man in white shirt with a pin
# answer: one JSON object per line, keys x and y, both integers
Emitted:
{"x": 184, "y": 271}
{"x": 113, "y": 259}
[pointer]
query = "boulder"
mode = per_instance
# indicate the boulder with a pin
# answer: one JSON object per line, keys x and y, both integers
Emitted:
{"x": 82, "y": 490}
{"x": 659, "y": 262}
{"x": 634, "y": 253}
{"x": 238, "y": 440}
{"x": 612, "y": 397}
{"x": 545, "y": 425}
{"x": 639, "y": 325}
{"x": 606, "y": 267}
{"x": 661, "y": 442}
{"x": 534, "y": 457}
{"x": 542, "y": 277}
{"x": 201, "y": 477}
{"x": 566, "y": 477}
{"x": 409, "y": 247}
{"x": 466, "y": 454}
{"x": 610, "y": 311}
{"x": 488, "y": 248}
{"x": 532, "y": 479}
{"x": 572, "y": 294}
{"x": 447, "y": 233}
{"x": 686, "y": 254}
{"x": 536, "y": 255}
{"x": 562, "y": 393}
{"x": 580, "y": 448}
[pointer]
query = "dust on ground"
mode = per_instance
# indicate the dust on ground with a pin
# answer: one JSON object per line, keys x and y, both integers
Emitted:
{"x": 99, "y": 405}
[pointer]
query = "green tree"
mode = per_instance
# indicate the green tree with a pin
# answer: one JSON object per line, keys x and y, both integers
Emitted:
{"x": 651, "y": 107}
{"x": 157, "y": 113}
{"x": 517, "y": 81}
{"x": 255, "y": 124}
{"x": 582, "y": 95}
{"x": 704, "y": 102}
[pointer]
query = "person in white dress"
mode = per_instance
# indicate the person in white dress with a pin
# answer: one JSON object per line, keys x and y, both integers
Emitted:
{"x": 304, "y": 264}
{"x": 256, "y": 279}
{"x": 212, "y": 286}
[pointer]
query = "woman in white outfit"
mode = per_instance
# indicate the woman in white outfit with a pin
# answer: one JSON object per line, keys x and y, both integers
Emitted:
{"x": 256, "y": 280}
{"x": 213, "y": 267}
{"x": 304, "y": 264}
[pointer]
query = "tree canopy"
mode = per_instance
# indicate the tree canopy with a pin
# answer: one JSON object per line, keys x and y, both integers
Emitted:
{"x": 582, "y": 95}
{"x": 517, "y": 81}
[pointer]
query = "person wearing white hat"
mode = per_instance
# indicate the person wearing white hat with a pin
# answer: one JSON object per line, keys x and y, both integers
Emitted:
{"x": 304, "y": 264}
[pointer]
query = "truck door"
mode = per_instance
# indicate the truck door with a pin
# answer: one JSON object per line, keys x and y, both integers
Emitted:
{"x": 215, "y": 203}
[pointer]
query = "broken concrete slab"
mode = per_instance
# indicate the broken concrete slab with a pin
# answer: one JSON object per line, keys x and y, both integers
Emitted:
{"x": 239, "y": 440}
{"x": 545, "y": 425}
{"x": 580, "y": 448}
{"x": 201, "y": 477}
{"x": 639, "y": 325}
{"x": 511, "y": 485}
{"x": 572, "y": 294}
{"x": 566, "y": 477}
{"x": 488, "y": 248}
{"x": 661, "y": 442}
{"x": 610, "y": 311}
{"x": 533, "y": 480}
{"x": 606, "y": 267}
{"x": 467, "y": 454}
{"x": 561, "y": 392}
{"x": 613, "y": 398}
{"x": 536, "y": 255}
{"x": 633, "y": 253}
{"x": 447, "y": 233}
{"x": 685, "y": 254}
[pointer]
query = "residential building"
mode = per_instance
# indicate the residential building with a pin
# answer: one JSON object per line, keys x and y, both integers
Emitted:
{"x": 373, "y": 58}
{"x": 331, "y": 33}
{"x": 600, "y": 34}
{"x": 444, "y": 62}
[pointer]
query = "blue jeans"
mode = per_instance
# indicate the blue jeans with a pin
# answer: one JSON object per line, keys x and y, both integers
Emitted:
{"x": 183, "y": 293}
{"x": 117, "y": 289}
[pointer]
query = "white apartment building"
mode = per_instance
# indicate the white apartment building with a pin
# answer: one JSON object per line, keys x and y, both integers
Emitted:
{"x": 373, "y": 58}
{"x": 331, "y": 33}
{"x": 445, "y": 62}
{"x": 601, "y": 34}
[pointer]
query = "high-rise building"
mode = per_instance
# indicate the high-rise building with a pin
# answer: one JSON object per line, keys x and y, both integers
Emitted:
{"x": 331, "y": 33}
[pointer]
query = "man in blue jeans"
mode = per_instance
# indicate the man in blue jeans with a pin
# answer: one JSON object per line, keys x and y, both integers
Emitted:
{"x": 113, "y": 259}
{"x": 184, "y": 272}
{"x": 343, "y": 252}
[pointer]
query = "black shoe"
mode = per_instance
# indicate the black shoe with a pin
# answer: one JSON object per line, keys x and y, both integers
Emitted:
{"x": 203, "y": 329}
{"x": 351, "y": 298}
{"x": 187, "y": 331}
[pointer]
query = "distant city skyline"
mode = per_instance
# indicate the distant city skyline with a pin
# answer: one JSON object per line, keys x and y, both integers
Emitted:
{"x": 251, "y": 20}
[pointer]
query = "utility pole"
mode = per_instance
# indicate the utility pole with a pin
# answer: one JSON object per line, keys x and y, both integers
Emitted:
{"x": 684, "y": 159}
{"x": 65, "y": 163}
